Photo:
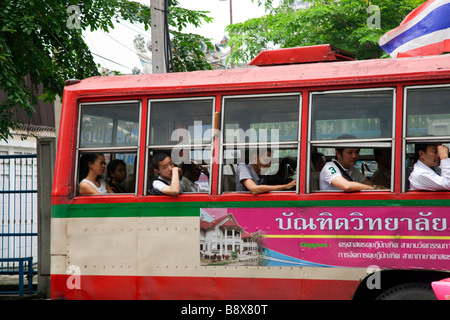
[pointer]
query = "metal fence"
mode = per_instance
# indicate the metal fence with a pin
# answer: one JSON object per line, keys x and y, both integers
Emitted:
{"x": 18, "y": 210}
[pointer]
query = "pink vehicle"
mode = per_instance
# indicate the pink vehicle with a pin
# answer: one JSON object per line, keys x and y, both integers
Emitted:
{"x": 442, "y": 289}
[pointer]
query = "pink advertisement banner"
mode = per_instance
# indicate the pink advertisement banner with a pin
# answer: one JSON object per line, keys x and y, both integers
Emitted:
{"x": 389, "y": 237}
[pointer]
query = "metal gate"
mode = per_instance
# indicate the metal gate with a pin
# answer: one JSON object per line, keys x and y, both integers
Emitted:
{"x": 18, "y": 224}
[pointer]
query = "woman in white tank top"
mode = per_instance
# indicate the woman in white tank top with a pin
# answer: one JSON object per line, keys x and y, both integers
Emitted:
{"x": 101, "y": 190}
{"x": 93, "y": 183}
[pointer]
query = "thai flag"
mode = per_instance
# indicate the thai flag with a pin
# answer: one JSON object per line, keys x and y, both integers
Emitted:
{"x": 424, "y": 32}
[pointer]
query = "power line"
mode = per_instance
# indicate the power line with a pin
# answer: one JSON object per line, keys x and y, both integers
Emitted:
{"x": 111, "y": 60}
{"x": 93, "y": 45}
{"x": 102, "y": 57}
{"x": 142, "y": 30}
{"x": 108, "y": 35}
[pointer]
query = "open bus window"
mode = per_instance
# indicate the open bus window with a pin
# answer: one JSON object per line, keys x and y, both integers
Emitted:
{"x": 427, "y": 123}
{"x": 360, "y": 120}
{"x": 196, "y": 171}
{"x": 278, "y": 168}
{"x": 106, "y": 172}
{"x": 182, "y": 129}
{"x": 426, "y": 168}
{"x": 373, "y": 164}
{"x": 260, "y": 133}
{"x": 109, "y": 129}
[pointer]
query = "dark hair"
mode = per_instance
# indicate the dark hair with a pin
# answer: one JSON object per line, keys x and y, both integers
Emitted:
{"x": 84, "y": 163}
{"x": 377, "y": 152}
{"x": 249, "y": 152}
{"x": 112, "y": 166}
{"x": 316, "y": 156}
{"x": 157, "y": 158}
{"x": 345, "y": 137}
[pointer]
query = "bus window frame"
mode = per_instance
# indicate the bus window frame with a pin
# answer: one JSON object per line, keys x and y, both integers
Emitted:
{"x": 149, "y": 148}
{"x": 415, "y": 139}
{"x": 112, "y": 150}
{"x": 356, "y": 143}
{"x": 288, "y": 144}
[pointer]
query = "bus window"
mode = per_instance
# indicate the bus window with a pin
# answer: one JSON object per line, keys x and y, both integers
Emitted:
{"x": 260, "y": 132}
{"x": 109, "y": 125}
{"x": 182, "y": 129}
{"x": 427, "y": 123}
{"x": 358, "y": 120}
{"x": 372, "y": 164}
{"x": 118, "y": 172}
{"x": 111, "y": 130}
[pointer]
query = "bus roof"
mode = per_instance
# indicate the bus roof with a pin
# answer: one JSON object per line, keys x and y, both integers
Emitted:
{"x": 304, "y": 75}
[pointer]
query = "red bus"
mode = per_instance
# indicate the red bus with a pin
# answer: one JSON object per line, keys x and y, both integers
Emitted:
{"x": 222, "y": 243}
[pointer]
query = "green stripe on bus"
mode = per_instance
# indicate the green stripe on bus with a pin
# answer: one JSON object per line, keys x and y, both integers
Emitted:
{"x": 191, "y": 209}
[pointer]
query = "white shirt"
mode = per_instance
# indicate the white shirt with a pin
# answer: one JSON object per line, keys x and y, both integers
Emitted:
{"x": 102, "y": 189}
{"x": 425, "y": 178}
{"x": 158, "y": 184}
{"x": 331, "y": 171}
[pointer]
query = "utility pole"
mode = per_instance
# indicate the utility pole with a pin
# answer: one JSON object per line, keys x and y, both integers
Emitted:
{"x": 231, "y": 11}
{"x": 231, "y": 22}
{"x": 158, "y": 8}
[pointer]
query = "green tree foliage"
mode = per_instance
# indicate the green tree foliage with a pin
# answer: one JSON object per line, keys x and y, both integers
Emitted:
{"x": 40, "y": 39}
{"x": 342, "y": 23}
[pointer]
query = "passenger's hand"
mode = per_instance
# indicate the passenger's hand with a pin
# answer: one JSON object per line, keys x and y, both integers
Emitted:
{"x": 204, "y": 170}
{"x": 442, "y": 152}
{"x": 177, "y": 170}
{"x": 291, "y": 184}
